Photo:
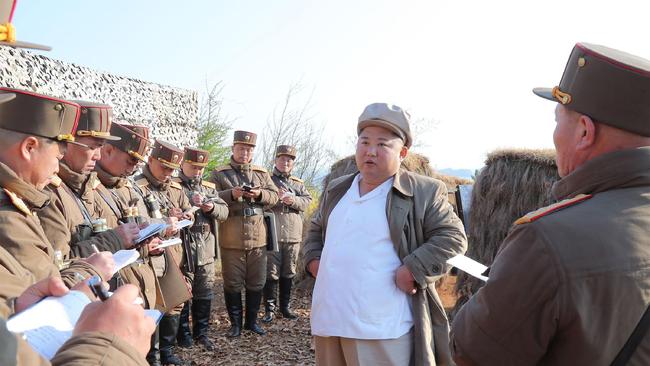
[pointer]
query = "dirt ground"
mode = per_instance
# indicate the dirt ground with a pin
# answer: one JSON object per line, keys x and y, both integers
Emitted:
{"x": 287, "y": 342}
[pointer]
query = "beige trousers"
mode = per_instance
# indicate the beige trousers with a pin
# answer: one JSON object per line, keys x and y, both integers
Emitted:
{"x": 338, "y": 351}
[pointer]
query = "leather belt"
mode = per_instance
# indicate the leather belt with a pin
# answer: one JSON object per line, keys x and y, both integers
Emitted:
{"x": 201, "y": 228}
{"x": 247, "y": 211}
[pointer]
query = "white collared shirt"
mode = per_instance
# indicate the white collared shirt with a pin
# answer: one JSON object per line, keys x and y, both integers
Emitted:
{"x": 355, "y": 295}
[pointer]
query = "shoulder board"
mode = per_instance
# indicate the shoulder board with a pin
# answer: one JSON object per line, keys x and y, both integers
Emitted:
{"x": 128, "y": 184}
{"x": 208, "y": 184}
{"x": 544, "y": 211}
{"x": 296, "y": 179}
{"x": 259, "y": 168}
{"x": 175, "y": 185}
{"x": 96, "y": 183}
{"x": 18, "y": 202}
{"x": 55, "y": 181}
{"x": 142, "y": 182}
{"x": 222, "y": 168}
{"x": 177, "y": 179}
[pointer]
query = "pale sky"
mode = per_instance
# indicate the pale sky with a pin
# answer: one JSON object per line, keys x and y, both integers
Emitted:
{"x": 469, "y": 65}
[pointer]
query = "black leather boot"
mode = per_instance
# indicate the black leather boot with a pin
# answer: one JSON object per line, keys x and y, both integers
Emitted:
{"x": 201, "y": 319}
{"x": 153, "y": 356}
{"x": 184, "y": 336}
{"x": 168, "y": 331}
{"x": 270, "y": 289}
{"x": 285, "y": 298}
{"x": 234, "y": 307}
{"x": 253, "y": 300}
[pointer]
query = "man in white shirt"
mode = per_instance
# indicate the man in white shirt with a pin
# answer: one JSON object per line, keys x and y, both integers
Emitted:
{"x": 378, "y": 243}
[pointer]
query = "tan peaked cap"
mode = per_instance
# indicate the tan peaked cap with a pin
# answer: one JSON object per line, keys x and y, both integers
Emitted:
{"x": 388, "y": 116}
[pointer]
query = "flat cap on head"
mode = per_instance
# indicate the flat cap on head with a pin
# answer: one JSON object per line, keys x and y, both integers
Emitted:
{"x": 388, "y": 116}
{"x": 610, "y": 86}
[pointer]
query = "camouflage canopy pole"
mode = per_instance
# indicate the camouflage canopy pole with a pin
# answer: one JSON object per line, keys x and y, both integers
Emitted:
{"x": 511, "y": 184}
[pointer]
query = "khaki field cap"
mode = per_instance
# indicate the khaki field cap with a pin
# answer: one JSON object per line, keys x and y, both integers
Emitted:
{"x": 197, "y": 157}
{"x": 39, "y": 115}
{"x": 285, "y": 150}
{"x": 387, "y": 116}
{"x": 168, "y": 154}
{"x": 134, "y": 139}
{"x": 7, "y": 30}
{"x": 95, "y": 120}
{"x": 610, "y": 86}
{"x": 244, "y": 137}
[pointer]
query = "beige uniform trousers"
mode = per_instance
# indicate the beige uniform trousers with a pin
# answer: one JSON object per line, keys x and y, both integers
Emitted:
{"x": 338, "y": 351}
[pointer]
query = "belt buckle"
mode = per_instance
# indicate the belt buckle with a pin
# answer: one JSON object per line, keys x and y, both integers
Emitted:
{"x": 248, "y": 211}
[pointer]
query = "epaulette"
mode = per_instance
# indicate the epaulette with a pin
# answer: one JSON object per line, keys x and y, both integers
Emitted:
{"x": 18, "y": 203}
{"x": 128, "y": 184}
{"x": 259, "y": 168}
{"x": 296, "y": 179}
{"x": 96, "y": 183}
{"x": 177, "y": 179}
{"x": 222, "y": 168}
{"x": 55, "y": 181}
{"x": 175, "y": 185}
{"x": 208, "y": 184}
{"x": 142, "y": 182}
{"x": 544, "y": 211}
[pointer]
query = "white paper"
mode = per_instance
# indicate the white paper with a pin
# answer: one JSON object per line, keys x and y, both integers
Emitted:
{"x": 192, "y": 210}
{"x": 124, "y": 258}
{"x": 49, "y": 323}
{"x": 149, "y": 230}
{"x": 469, "y": 266}
{"x": 183, "y": 223}
{"x": 169, "y": 243}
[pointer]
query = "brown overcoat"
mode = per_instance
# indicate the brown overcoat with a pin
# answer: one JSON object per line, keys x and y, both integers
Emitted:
{"x": 571, "y": 281}
{"x": 425, "y": 232}
{"x": 22, "y": 236}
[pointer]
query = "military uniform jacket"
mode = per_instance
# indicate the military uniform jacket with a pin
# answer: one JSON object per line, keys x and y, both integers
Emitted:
{"x": 72, "y": 207}
{"x": 425, "y": 233}
{"x": 203, "y": 233}
{"x": 92, "y": 348}
{"x": 239, "y": 232}
{"x": 115, "y": 193}
{"x": 571, "y": 281}
{"x": 22, "y": 237}
{"x": 170, "y": 195}
{"x": 289, "y": 219}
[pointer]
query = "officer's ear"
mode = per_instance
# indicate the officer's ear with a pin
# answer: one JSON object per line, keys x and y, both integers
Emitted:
{"x": 403, "y": 152}
{"x": 28, "y": 146}
{"x": 586, "y": 133}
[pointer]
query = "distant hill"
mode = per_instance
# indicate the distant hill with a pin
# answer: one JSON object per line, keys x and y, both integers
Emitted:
{"x": 463, "y": 173}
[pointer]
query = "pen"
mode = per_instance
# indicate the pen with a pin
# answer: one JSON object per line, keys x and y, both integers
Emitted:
{"x": 95, "y": 284}
{"x": 95, "y": 248}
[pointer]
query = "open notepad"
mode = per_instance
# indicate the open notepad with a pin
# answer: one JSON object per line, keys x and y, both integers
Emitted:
{"x": 469, "y": 266}
{"x": 48, "y": 324}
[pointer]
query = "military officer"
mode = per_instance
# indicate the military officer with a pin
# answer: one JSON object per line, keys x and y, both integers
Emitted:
{"x": 68, "y": 219}
{"x": 34, "y": 132}
{"x": 289, "y": 212}
{"x": 247, "y": 189}
{"x": 203, "y": 241}
{"x": 123, "y": 202}
{"x": 569, "y": 285}
{"x": 166, "y": 198}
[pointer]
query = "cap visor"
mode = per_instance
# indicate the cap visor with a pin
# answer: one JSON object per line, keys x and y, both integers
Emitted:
{"x": 546, "y": 93}
{"x": 7, "y": 97}
{"x": 170, "y": 166}
{"x": 29, "y": 45}
{"x": 138, "y": 156}
{"x": 112, "y": 138}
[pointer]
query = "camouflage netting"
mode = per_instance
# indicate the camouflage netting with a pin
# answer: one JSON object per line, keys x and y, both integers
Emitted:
{"x": 511, "y": 184}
